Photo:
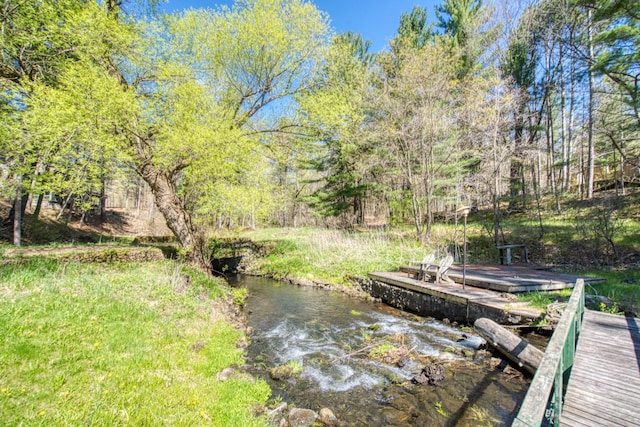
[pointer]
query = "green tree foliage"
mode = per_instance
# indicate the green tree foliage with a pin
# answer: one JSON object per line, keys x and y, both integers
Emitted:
{"x": 35, "y": 42}
{"x": 258, "y": 57}
{"x": 189, "y": 99}
{"x": 414, "y": 32}
{"x": 442, "y": 124}
{"x": 456, "y": 18}
{"x": 416, "y": 120}
{"x": 617, "y": 42}
{"x": 464, "y": 25}
{"x": 338, "y": 109}
{"x": 560, "y": 52}
{"x": 35, "y": 39}
{"x": 72, "y": 126}
{"x": 414, "y": 29}
{"x": 519, "y": 64}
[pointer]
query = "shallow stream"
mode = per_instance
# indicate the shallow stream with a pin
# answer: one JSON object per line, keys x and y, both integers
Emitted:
{"x": 330, "y": 336}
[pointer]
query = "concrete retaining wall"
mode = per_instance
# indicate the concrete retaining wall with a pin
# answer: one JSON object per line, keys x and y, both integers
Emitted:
{"x": 433, "y": 306}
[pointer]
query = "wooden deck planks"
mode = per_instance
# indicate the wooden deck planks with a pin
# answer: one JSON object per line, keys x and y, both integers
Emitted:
{"x": 596, "y": 413}
{"x": 604, "y": 387}
{"x": 509, "y": 278}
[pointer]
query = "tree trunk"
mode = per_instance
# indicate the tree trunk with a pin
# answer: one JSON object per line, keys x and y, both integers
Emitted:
{"x": 592, "y": 151}
{"x": 572, "y": 100}
{"x": 36, "y": 212}
{"x": 178, "y": 219}
{"x": 139, "y": 199}
{"x": 552, "y": 156}
{"x": 564, "y": 131}
{"x": 622, "y": 162}
{"x": 64, "y": 205}
{"x": 417, "y": 213}
{"x": 496, "y": 196}
{"x": 535, "y": 179}
{"x": 17, "y": 214}
{"x": 516, "y": 188}
{"x": 103, "y": 199}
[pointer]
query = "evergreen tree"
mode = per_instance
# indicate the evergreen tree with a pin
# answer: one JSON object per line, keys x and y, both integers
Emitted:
{"x": 462, "y": 22}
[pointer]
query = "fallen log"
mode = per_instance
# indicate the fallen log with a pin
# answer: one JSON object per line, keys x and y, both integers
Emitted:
{"x": 517, "y": 350}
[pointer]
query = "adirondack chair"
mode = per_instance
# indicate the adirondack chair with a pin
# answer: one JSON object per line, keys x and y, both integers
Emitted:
{"x": 443, "y": 269}
{"x": 424, "y": 265}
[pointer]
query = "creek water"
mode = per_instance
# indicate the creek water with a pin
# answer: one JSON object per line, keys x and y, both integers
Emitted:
{"x": 325, "y": 334}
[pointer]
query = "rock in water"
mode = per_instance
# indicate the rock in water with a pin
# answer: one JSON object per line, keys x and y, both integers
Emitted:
{"x": 403, "y": 361}
{"x": 302, "y": 417}
{"x": 283, "y": 372}
{"x": 431, "y": 374}
{"x": 327, "y": 417}
{"x": 278, "y": 411}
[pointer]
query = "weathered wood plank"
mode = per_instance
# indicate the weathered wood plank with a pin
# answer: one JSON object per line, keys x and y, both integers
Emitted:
{"x": 590, "y": 400}
{"x": 615, "y": 337}
{"x": 614, "y": 369}
{"x": 606, "y": 356}
{"x": 619, "y": 328}
{"x": 604, "y": 388}
{"x": 609, "y": 384}
{"x": 614, "y": 381}
{"x": 592, "y": 418}
{"x": 509, "y": 278}
{"x": 580, "y": 420}
{"x": 593, "y": 408}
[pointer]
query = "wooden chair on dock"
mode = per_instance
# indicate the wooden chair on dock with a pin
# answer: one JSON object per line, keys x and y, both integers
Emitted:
{"x": 443, "y": 269}
{"x": 424, "y": 265}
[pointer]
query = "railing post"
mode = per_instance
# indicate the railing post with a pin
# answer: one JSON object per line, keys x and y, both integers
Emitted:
{"x": 580, "y": 311}
{"x": 558, "y": 393}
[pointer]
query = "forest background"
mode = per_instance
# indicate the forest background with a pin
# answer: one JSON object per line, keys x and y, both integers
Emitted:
{"x": 260, "y": 114}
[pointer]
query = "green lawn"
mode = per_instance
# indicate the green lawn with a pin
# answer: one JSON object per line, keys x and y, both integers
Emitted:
{"x": 118, "y": 344}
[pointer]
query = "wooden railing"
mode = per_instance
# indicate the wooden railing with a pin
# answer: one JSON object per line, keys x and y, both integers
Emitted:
{"x": 543, "y": 403}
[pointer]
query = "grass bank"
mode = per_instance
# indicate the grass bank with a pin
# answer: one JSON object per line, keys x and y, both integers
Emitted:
{"x": 332, "y": 255}
{"x": 118, "y": 344}
{"x": 621, "y": 287}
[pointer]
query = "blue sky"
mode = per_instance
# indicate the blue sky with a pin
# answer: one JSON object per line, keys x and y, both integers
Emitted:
{"x": 376, "y": 20}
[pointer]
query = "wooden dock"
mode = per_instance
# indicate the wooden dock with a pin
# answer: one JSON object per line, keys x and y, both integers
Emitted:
{"x": 487, "y": 291}
{"x": 511, "y": 278}
{"x": 604, "y": 386}
{"x": 470, "y": 296}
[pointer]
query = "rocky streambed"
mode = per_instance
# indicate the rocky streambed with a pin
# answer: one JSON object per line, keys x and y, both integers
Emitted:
{"x": 341, "y": 361}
